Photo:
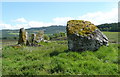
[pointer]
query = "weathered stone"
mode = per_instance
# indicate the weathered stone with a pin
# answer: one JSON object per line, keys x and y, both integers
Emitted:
{"x": 16, "y": 46}
{"x": 83, "y": 35}
{"x": 22, "y": 37}
{"x": 40, "y": 36}
{"x": 28, "y": 43}
{"x": 33, "y": 39}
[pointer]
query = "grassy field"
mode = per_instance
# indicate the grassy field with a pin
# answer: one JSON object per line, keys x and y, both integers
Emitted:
{"x": 0, "y": 66}
{"x": 112, "y": 36}
{"x": 53, "y": 58}
{"x": 0, "y": 57}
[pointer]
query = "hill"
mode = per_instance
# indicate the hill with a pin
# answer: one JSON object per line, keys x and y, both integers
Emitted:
{"x": 8, "y": 34}
{"x": 113, "y": 27}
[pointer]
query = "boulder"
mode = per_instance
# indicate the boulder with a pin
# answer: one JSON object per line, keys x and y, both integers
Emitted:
{"x": 83, "y": 35}
{"x": 23, "y": 37}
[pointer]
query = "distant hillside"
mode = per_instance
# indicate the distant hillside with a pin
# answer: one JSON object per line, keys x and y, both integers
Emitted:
{"x": 113, "y": 27}
{"x": 48, "y": 30}
{"x": 56, "y": 29}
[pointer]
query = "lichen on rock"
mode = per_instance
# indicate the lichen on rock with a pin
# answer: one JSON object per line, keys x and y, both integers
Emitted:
{"x": 80, "y": 27}
{"x": 34, "y": 40}
{"x": 83, "y": 35}
{"x": 23, "y": 37}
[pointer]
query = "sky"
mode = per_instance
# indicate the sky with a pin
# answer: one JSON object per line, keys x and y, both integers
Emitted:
{"x": 17, "y": 15}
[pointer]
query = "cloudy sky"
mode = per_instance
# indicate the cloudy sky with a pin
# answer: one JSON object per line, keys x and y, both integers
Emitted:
{"x": 16, "y": 15}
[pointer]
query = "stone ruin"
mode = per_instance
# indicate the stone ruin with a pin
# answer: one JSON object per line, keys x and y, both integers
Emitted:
{"x": 83, "y": 35}
{"x": 33, "y": 40}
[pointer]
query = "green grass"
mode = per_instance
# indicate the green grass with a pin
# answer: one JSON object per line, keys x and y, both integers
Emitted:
{"x": 5, "y": 43}
{"x": 0, "y": 66}
{"x": 53, "y": 58}
{"x": 112, "y": 36}
{"x": 13, "y": 33}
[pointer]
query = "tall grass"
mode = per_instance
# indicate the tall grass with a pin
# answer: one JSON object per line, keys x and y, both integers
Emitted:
{"x": 53, "y": 58}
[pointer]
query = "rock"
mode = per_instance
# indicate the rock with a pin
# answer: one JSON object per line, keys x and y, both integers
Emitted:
{"x": 83, "y": 35}
{"x": 40, "y": 36}
{"x": 28, "y": 43}
{"x": 16, "y": 46}
{"x": 33, "y": 38}
{"x": 23, "y": 38}
{"x": 46, "y": 41}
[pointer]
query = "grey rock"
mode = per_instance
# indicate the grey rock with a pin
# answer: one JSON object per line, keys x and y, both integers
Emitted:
{"x": 84, "y": 36}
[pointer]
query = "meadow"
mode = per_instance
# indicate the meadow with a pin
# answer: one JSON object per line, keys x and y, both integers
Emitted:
{"x": 112, "y": 36}
{"x": 54, "y": 58}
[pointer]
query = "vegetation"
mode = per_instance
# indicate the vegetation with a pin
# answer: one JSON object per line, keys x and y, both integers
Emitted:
{"x": 46, "y": 37}
{"x": 112, "y": 36}
{"x": 58, "y": 36}
{"x": 113, "y": 27}
{"x": 80, "y": 27}
{"x": 0, "y": 57}
{"x": 54, "y": 58}
{"x": 0, "y": 66}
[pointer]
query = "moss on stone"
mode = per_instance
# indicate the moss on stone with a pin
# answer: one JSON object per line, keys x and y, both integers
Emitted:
{"x": 22, "y": 37}
{"x": 80, "y": 27}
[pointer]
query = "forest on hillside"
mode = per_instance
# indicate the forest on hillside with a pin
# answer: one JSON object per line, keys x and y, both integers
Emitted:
{"x": 112, "y": 27}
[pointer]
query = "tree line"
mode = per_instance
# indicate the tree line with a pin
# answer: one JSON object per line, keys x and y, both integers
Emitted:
{"x": 112, "y": 27}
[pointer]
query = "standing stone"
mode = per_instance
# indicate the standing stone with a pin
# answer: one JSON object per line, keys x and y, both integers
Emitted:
{"x": 22, "y": 37}
{"x": 83, "y": 35}
{"x": 33, "y": 38}
{"x": 40, "y": 36}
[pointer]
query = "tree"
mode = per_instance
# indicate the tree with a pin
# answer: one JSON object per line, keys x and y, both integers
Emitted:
{"x": 62, "y": 34}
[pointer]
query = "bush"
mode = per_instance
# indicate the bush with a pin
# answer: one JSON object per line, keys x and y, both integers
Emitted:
{"x": 46, "y": 37}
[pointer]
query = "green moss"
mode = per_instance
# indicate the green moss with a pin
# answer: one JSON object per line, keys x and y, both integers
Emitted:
{"x": 80, "y": 27}
{"x": 22, "y": 38}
